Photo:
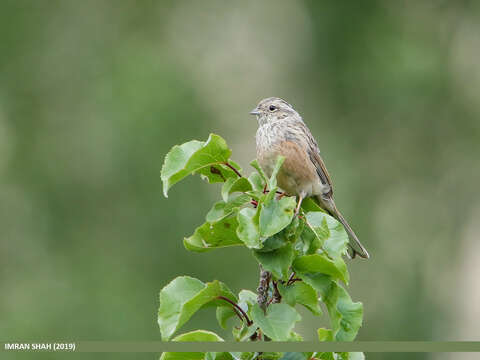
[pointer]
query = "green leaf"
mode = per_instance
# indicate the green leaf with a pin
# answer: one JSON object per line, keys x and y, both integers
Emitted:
{"x": 300, "y": 293}
{"x": 310, "y": 204}
{"x": 276, "y": 215}
{"x": 348, "y": 356}
{"x": 327, "y": 356}
{"x": 210, "y": 236}
{"x": 243, "y": 332}
{"x": 274, "y": 242}
{"x": 279, "y": 321}
{"x": 194, "y": 336}
{"x": 226, "y": 188}
{"x": 257, "y": 167}
{"x": 320, "y": 263}
{"x": 244, "y": 355}
{"x": 295, "y": 337}
{"x": 235, "y": 185}
{"x": 309, "y": 242}
{"x": 330, "y": 232}
{"x": 324, "y": 334}
{"x": 182, "y": 356}
{"x": 277, "y": 261}
{"x": 340, "y": 356}
{"x": 256, "y": 195}
{"x": 297, "y": 356}
{"x": 198, "y": 336}
{"x": 247, "y": 229}
{"x": 184, "y": 296}
{"x": 217, "y": 173}
{"x": 294, "y": 229}
{"x": 257, "y": 181}
{"x": 356, "y": 356}
{"x": 223, "y": 313}
{"x": 246, "y": 299}
{"x": 268, "y": 355}
{"x": 269, "y": 196}
{"x": 218, "y": 356}
{"x": 272, "y": 182}
{"x": 222, "y": 209}
{"x": 197, "y": 156}
{"x": 319, "y": 282}
{"x": 345, "y": 315}
{"x": 173, "y": 169}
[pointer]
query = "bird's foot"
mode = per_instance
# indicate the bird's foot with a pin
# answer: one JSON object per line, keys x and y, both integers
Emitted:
{"x": 297, "y": 209}
{"x": 281, "y": 195}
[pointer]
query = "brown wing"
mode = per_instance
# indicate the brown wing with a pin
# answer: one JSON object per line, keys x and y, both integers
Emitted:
{"x": 327, "y": 199}
{"x": 321, "y": 171}
{"x": 316, "y": 159}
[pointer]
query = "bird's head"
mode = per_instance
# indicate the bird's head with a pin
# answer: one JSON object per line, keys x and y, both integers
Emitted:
{"x": 273, "y": 109}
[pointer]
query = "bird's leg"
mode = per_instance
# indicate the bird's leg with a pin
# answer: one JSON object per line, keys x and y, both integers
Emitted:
{"x": 300, "y": 199}
{"x": 281, "y": 195}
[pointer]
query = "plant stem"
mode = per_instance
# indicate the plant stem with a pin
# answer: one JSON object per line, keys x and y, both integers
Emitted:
{"x": 237, "y": 313}
{"x": 237, "y": 308}
{"x": 294, "y": 280}
{"x": 262, "y": 289}
{"x": 277, "y": 298}
{"x": 233, "y": 168}
{"x": 290, "y": 278}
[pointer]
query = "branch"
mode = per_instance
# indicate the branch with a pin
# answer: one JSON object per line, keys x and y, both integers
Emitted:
{"x": 276, "y": 298}
{"x": 262, "y": 289}
{"x": 233, "y": 168}
{"x": 294, "y": 280}
{"x": 236, "y": 308}
{"x": 276, "y": 192}
{"x": 292, "y": 275}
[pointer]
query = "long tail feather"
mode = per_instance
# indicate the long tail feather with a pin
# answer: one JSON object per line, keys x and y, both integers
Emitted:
{"x": 355, "y": 245}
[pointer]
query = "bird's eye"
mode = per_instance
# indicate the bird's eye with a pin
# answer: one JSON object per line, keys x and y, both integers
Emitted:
{"x": 272, "y": 108}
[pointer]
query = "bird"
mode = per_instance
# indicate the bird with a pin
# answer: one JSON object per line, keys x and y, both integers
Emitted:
{"x": 282, "y": 131}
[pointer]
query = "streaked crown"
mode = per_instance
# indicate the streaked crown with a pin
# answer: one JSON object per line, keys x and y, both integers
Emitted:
{"x": 273, "y": 109}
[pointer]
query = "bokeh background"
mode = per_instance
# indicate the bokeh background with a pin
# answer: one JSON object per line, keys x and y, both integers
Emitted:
{"x": 94, "y": 93}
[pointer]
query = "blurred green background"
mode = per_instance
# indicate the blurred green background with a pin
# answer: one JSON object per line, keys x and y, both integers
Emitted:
{"x": 94, "y": 93}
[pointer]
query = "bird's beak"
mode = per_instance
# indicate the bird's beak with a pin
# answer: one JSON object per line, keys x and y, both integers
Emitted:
{"x": 255, "y": 112}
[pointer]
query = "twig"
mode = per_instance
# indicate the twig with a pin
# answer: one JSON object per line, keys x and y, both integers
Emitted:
{"x": 276, "y": 298}
{"x": 276, "y": 192}
{"x": 291, "y": 277}
{"x": 233, "y": 168}
{"x": 237, "y": 313}
{"x": 262, "y": 297}
{"x": 236, "y": 307}
{"x": 295, "y": 280}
